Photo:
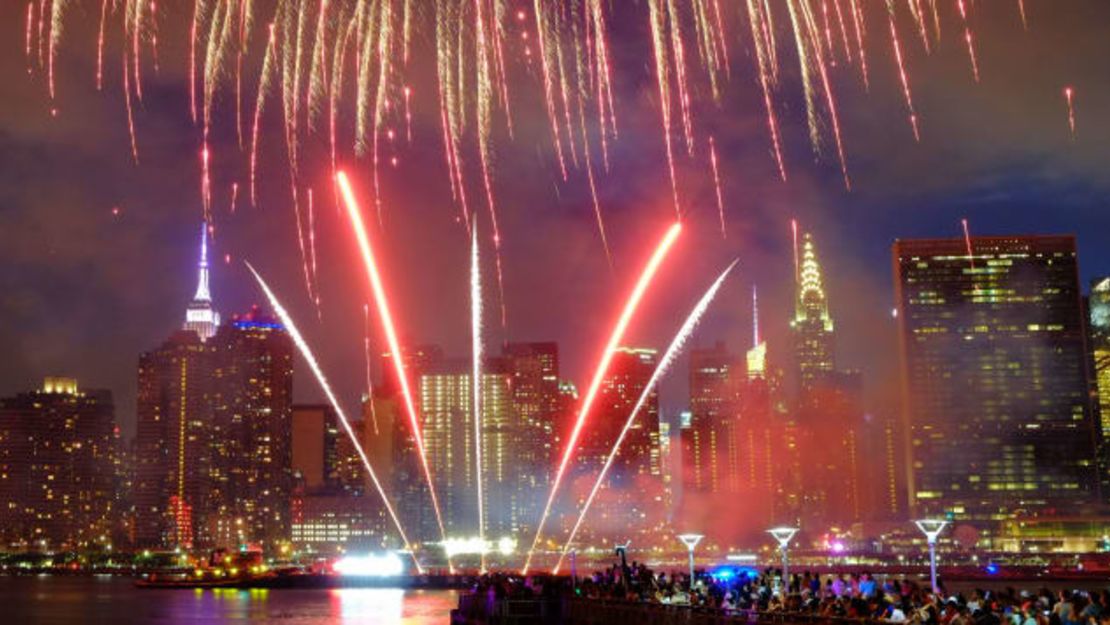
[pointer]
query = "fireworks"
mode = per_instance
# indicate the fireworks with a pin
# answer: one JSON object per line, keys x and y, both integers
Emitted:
{"x": 307, "y": 59}
{"x": 967, "y": 241}
{"x": 355, "y": 215}
{"x": 680, "y": 339}
{"x": 717, "y": 185}
{"x": 629, "y": 310}
{"x": 476, "y": 375}
{"x": 309, "y": 358}
{"x": 1069, "y": 97}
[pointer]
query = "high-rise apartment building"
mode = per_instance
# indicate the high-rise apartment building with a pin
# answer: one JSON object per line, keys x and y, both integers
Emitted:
{"x": 252, "y": 405}
{"x": 173, "y": 484}
{"x": 446, "y": 403}
{"x": 633, "y": 498}
{"x": 539, "y": 414}
{"x": 711, "y": 455}
{"x": 995, "y": 380}
{"x": 57, "y": 467}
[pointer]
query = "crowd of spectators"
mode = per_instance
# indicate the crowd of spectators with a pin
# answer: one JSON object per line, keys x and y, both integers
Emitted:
{"x": 855, "y": 596}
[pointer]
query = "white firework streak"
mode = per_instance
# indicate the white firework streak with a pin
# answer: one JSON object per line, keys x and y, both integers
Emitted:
{"x": 679, "y": 341}
{"x": 306, "y": 352}
{"x": 476, "y": 374}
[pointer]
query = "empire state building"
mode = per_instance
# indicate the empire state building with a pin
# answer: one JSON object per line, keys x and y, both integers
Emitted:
{"x": 200, "y": 317}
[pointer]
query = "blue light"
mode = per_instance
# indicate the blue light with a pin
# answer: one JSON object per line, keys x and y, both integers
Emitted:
{"x": 992, "y": 569}
{"x": 257, "y": 325}
{"x": 723, "y": 574}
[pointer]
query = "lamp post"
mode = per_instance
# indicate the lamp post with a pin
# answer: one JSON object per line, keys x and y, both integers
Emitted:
{"x": 691, "y": 541}
{"x": 932, "y": 529}
{"x": 784, "y": 535}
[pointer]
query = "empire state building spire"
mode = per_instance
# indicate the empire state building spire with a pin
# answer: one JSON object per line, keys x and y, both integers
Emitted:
{"x": 200, "y": 317}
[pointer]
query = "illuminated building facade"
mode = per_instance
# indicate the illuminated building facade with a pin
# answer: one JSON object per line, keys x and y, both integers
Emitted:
{"x": 708, "y": 444}
{"x": 200, "y": 317}
{"x": 812, "y": 324}
{"x": 539, "y": 413}
{"x": 174, "y": 475}
{"x": 327, "y": 521}
{"x": 57, "y": 465}
{"x": 995, "y": 380}
{"x": 414, "y": 504}
{"x": 1098, "y": 306}
{"x": 633, "y": 498}
{"x": 173, "y": 444}
{"x": 252, "y": 404}
{"x": 446, "y": 410}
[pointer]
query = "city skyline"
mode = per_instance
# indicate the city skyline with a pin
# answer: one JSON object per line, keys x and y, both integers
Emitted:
{"x": 1008, "y": 163}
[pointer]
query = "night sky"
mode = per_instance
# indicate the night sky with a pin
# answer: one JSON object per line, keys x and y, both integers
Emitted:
{"x": 86, "y": 288}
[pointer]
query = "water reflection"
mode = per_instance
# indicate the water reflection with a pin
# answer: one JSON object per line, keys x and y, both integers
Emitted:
{"x": 368, "y": 605}
{"x": 64, "y": 600}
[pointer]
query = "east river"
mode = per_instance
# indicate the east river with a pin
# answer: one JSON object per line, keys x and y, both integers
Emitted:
{"x": 50, "y": 600}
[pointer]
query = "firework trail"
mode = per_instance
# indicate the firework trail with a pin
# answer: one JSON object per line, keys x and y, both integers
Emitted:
{"x": 902, "y": 71}
{"x": 919, "y": 19}
{"x": 597, "y": 209}
{"x": 99, "y": 42}
{"x": 198, "y": 9}
{"x": 804, "y": 63}
{"x": 967, "y": 241}
{"x": 355, "y": 215}
{"x": 1021, "y": 11}
{"x": 130, "y": 116}
{"x": 843, "y": 31}
{"x": 40, "y": 39}
{"x": 366, "y": 351}
{"x": 305, "y": 262}
{"x": 970, "y": 41}
{"x": 678, "y": 53}
{"x": 717, "y": 186}
{"x": 476, "y": 376}
{"x": 677, "y": 343}
{"x": 312, "y": 247}
{"x": 306, "y": 353}
{"x": 30, "y": 29}
{"x": 662, "y": 73}
{"x": 234, "y": 196}
{"x": 619, "y": 329}
{"x": 830, "y": 100}
{"x": 57, "y": 7}
{"x": 1069, "y": 97}
{"x": 267, "y": 69}
{"x": 542, "y": 36}
{"x": 135, "y": 13}
{"x": 763, "y": 61}
{"x": 858, "y": 27}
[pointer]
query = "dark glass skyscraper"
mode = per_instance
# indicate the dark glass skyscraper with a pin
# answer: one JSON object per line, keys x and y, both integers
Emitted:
{"x": 995, "y": 380}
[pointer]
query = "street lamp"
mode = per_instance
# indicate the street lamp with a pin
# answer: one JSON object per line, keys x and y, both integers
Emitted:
{"x": 691, "y": 541}
{"x": 784, "y": 535}
{"x": 932, "y": 529}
